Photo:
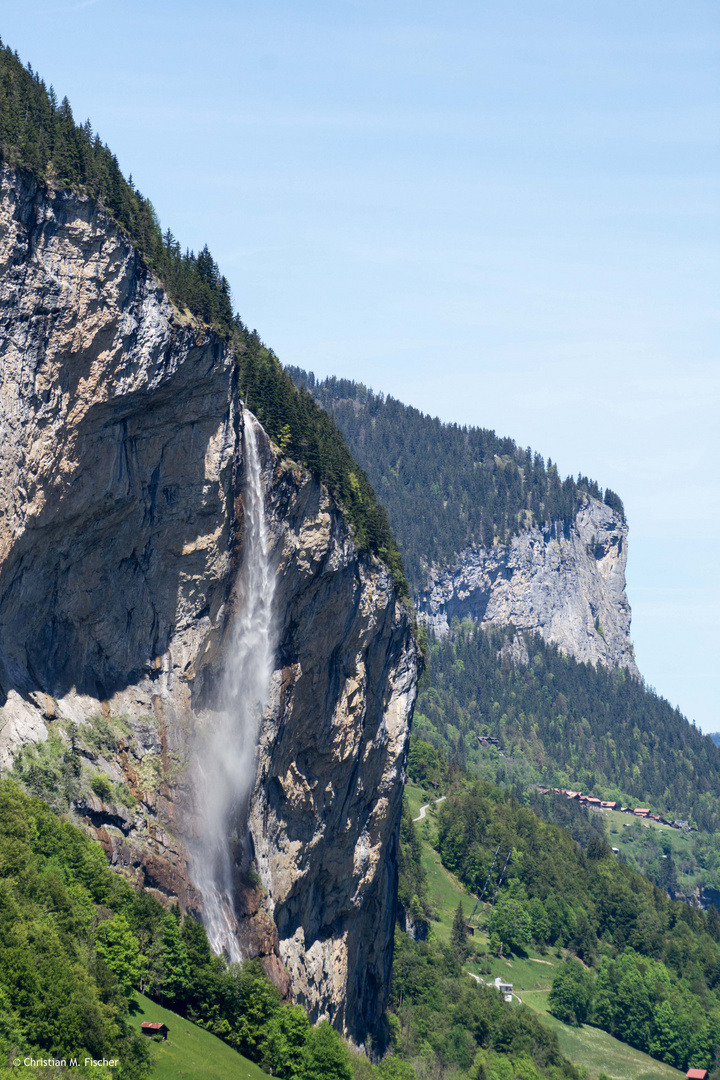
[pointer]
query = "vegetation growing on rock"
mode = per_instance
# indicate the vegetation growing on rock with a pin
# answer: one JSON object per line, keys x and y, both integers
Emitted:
{"x": 307, "y": 434}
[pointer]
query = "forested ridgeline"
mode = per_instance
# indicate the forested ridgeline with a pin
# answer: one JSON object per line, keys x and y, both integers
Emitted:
{"x": 445, "y": 486}
{"x": 650, "y": 966}
{"x": 565, "y": 724}
{"x": 39, "y": 134}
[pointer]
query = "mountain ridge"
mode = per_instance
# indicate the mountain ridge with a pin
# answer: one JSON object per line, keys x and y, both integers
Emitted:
{"x": 562, "y": 581}
{"x": 487, "y": 530}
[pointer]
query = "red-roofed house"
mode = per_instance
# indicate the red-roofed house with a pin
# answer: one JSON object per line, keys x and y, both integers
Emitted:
{"x": 696, "y": 1074}
{"x": 154, "y": 1029}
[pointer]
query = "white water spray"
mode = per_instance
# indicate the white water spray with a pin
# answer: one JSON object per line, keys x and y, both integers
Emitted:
{"x": 226, "y": 763}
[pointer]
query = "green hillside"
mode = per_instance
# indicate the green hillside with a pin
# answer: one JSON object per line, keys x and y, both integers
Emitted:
{"x": 564, "y": 724}
{"x": 587, "y": 1046}
{"x": 189, "y": 1050}
{"x": 444, "y": 891}
{"x": 595, "y": 1050}
{"x": 650, "y": 967}
{"x": 531, "y": 968}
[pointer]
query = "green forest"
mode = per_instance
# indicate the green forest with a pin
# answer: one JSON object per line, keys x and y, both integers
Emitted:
{"x": 76, "y": 941}
{"x": 639, "y": 965}
{"x": 564, "y": 723}
{"x": 445, "y": 486}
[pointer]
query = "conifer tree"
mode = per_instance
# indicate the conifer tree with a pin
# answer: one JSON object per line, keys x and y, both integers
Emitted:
{"x": 458, "y": 934}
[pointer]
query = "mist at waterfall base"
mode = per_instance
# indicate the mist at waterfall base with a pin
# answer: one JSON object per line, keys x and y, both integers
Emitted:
{"x": 225, "y": 763}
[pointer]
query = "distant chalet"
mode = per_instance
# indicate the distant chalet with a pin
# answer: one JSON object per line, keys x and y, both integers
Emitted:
{"x": 154, "y": 1029}
{"x": 696, "y": 1074}
{"x": 505, "y": 988}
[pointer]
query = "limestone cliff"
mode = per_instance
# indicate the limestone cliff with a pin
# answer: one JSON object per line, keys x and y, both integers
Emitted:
{"x": 568, "y": 585}
{"x": 121, "y": 534}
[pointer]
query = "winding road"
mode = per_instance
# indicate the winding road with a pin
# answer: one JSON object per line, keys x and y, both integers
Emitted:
{"x": 427, "y": 807}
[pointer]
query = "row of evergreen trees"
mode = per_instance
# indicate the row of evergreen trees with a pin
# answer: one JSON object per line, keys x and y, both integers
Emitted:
{"x": 447, "y": 486}
{"x": 40, "y": 134}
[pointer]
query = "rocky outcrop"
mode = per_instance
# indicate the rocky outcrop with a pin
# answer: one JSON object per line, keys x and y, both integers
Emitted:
{"x": 566, "y": 584}
{"x": 121, "y": 535}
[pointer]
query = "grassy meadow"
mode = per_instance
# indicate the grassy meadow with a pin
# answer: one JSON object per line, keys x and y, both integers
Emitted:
{"x": 190, "y": 1051}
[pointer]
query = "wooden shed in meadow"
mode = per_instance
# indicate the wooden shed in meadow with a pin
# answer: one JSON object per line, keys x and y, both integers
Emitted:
{"x": 149, "y": 1028}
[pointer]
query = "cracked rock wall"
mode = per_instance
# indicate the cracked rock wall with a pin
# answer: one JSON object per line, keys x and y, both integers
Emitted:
{"x": 568, "y": 585}
{"x": 121, "y": 523}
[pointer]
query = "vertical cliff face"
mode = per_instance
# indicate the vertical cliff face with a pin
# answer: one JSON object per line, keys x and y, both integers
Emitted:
{"x": 329, "y": 786}
{"x": 568, "y": 585}
{"x": 121, "y": 535}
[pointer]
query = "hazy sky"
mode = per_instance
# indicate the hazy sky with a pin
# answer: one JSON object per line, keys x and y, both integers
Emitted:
{"x": 505, "y": 214}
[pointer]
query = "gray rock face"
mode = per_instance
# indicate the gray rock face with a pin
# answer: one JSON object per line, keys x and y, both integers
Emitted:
{"x": 121, "y": 534}
{"x": 331, "y": 759}
{"x": 567, "y": 586}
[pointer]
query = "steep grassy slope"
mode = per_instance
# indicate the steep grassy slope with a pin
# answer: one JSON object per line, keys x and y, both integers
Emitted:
{"x": 598, "y": 1052}
{"x": 189, "y": 1050}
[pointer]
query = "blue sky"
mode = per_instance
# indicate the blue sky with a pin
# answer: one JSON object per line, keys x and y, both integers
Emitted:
{"x": 504, "y": 214}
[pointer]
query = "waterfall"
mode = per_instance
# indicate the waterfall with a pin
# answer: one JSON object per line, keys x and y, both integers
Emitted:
{"x": 226, "y": 761}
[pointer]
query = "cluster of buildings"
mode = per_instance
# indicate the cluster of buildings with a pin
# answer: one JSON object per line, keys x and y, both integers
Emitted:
{"x": 607, "y": 804}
